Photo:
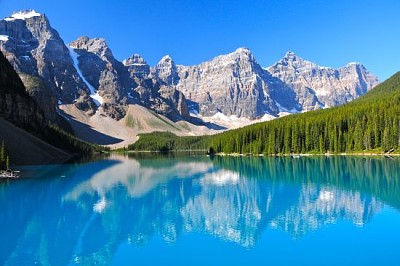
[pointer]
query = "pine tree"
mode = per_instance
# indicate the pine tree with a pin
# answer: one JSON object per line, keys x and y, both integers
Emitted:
{"x": 358, "y": 137}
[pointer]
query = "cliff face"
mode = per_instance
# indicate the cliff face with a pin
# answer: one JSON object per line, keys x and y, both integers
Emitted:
{"x": 155, "y": 92}
{"x": 321, "y": 87}
{"x": 235, "y": 84}
{"x": 107, "y": 78}
{"x": 15, "y": 103}
{"x": 35, "y": 49}
{"x": 20, "y": 116}
{"x": 85, "y": 73}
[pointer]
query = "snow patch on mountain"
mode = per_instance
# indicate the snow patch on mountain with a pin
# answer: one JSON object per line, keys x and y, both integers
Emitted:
{"x": 267, "y": 117}
{"x": 285, "y": 110}
{"x": 93, "y": 93}
{"x": 23, "y": 15}
{"x": 4, "y": 38}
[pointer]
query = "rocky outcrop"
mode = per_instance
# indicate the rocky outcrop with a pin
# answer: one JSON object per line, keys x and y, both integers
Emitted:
{"x": 21, "y": 120}
{"x": 154, "y": 89}
{"x": 87, "y": 74}
{"x": 16, "y": 105}
{"x": 321, "y": 87}
{"x": 34, "y": 48}
{"x": 233, "y": 84}
{"x": 108, "y": 78}
{"x": 137, "y": 67}
{"x": 166, "y": 71}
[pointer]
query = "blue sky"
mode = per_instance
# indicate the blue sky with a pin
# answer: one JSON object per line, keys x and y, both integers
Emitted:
{"x": 329, "y": 33}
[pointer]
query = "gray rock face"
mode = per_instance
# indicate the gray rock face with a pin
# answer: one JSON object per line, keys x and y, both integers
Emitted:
{"x": 86, "y": 73}
{"x": 108, "y": 77}
{"x": 320, "y": 87}
{"x": 15, "y": 104}
{"x": 153, "y": 92}
{"x": 233, "y": 84}
{"x": 166, "y": 71}
{"x": 34, "y": 48}
{"x": 137, "y": 66}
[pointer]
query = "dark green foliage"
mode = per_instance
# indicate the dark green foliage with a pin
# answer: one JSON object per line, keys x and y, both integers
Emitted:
{"x": 370, "y": 123}
{"x": 166, "y": 141}
{"x": 69, "y": 143}
{"x": 4, "y": 158}
{"x": 17, "y": 107}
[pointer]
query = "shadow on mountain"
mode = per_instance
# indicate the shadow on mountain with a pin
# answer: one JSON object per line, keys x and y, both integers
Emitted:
{"x": 87, "y": 133}
{"x": 198, "y": 122}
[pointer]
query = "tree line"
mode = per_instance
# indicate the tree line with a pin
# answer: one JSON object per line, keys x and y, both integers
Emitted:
{"x": 167, "y": 141}
{"x": 68, "y": 142}
{"x": 370, "y": 123}
{"x": 4, "y": 157}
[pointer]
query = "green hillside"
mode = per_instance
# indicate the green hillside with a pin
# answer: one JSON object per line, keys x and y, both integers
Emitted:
{"x": 369, "y": 124}
{"x": 27, "y": 135}
{"x": 166, "y": 141}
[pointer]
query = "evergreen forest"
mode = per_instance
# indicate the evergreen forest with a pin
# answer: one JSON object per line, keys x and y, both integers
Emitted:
{"x": 370, "y": 123}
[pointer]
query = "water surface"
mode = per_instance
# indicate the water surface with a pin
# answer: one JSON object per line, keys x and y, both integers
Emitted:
{"x": 197, "y": 210}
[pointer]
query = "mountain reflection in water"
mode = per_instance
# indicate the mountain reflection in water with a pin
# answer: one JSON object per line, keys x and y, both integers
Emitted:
{"x": 90, "y": 209}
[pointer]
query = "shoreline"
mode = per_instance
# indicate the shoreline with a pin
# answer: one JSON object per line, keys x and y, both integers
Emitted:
{"x": 309, "y": 154}
{"x": 380, "y": 154}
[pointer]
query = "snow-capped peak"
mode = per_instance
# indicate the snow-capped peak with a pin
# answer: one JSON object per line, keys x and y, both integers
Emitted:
{"x": 244, "y": 50}
{"x": 4, "y": 38}
{"x": 25, "y": 14}
{"x": 353, "y": 64}
{"x": 292, "y": 60}
{"x": 135, "y": 60}
{"x": 290, "y": 54}
{"x": 166, "y": 58}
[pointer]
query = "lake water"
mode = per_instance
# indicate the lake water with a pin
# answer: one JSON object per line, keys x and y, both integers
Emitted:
{"x": 197, "y": 210}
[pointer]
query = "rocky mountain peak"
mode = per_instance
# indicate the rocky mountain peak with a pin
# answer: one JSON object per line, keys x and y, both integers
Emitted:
{"x": 290, "y": 55}
{"x": 321, "y": 87}
{"x": 97, "y": 46}
{"x": 36, "y": 50}
{"x": 137, "y": 66}
{"x": 23, "y": 15}
{"x": 135, "y": 59}
{"x": 355, "y": 65}
{"x": 243, "y": 51}
{"x": 166, "y": 60}
{"x": 166, "y": 71}
{"x": 240, "y": 59}
{"x": 240, "y": 54}
{"x": 293, "y": 61}
{"x": 233, "y": 84}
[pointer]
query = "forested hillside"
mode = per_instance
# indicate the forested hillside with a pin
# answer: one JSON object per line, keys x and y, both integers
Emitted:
{"x": 370, "y": 123}
{"x": 20, "y": 110}
{"x": 166, "y": 141}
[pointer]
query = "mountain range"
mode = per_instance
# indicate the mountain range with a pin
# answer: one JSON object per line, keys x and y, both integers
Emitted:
{"x": 109, "y": 102}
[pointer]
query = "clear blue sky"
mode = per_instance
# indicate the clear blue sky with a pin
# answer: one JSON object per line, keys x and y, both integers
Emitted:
{"x": 328, "y": 32}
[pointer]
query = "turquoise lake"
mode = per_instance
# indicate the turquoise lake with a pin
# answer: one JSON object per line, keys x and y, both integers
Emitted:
{"x": 196, "y": 210}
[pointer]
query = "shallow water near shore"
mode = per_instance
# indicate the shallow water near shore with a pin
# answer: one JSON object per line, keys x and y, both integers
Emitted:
{"x": 190, "y": 209}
